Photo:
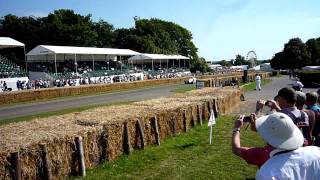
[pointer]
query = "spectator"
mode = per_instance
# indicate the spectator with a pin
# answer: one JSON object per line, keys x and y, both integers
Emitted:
{"x": 252, "y": 155}
{"x": 297, "y": 85}
{"x": 258, "y": 82}
{"x": 311, "y": 102}
{"x": 318, "y": 92}
{"x": 285, "y": 102}
{"x": 307, "y": 131}
{"x": 4, "y": 85}
{"x": 288, "y": 160}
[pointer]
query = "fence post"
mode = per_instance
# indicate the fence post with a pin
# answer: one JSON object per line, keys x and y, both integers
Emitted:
{"x": 46, "y": 162}
{"x": 79, "y": 146}
{"x": 141, "y": 134}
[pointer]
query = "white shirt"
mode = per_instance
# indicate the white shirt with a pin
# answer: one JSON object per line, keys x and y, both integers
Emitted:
{"x": 302, "y": 163}
{"x": 298, "y": 83}
{"x": 258, "y": 78}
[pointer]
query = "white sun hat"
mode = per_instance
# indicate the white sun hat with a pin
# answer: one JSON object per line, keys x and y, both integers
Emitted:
{"x": 279, "y": 131}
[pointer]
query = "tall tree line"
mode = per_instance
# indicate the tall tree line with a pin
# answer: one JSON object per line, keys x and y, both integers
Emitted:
{"x": 297, "y": 54}
{"x": 64, "y": 27}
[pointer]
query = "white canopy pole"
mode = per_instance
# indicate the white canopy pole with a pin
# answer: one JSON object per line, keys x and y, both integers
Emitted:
{"x": 25, "y": 59}
{"x": 92, "y": 62}
{"x": 75, "y": 63}
{"x": 167, "y": 64}
{"x": 152, "y": 64}
{"x": 120, "y": 64}
{"x": 55, "y": 62}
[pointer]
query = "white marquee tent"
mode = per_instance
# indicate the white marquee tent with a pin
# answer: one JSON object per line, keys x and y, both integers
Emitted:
{"x": 7, "y": 42}
{"x": 156, "y": 58}
{"x": 45, "y": 53}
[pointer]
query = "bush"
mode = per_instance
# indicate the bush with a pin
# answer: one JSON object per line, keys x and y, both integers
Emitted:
{"x": 309, "y": 78}
{"x": 274, "y": 73}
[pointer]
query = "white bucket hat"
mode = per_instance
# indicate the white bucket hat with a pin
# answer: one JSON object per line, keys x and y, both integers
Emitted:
{"x": 279, "y": 131}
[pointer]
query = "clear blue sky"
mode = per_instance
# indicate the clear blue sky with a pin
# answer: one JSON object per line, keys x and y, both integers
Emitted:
{"x": 221, "y": 28}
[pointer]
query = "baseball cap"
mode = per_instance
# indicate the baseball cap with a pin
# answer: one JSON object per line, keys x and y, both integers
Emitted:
{"x": 279, "y": 131}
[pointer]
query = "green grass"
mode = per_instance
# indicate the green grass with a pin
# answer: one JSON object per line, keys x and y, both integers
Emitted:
{"x": 184, "y": 88}
{"x": 59, "y": 112}
{"x": 252, "y": 85}
{"x": 187, "y": 156}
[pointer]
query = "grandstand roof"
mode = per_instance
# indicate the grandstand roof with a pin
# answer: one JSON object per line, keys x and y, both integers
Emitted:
{"x": 45, "y": 49}
{"x": 156, "y": 56}
{"x": 7, "y": 42}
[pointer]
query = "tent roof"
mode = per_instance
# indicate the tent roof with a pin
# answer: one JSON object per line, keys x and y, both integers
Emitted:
{"x": 156, "y": 56}
{"x": 7, "y": 42}
{"x": 45, "y": 49}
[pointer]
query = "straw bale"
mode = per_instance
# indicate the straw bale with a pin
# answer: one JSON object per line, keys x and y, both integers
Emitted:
{"x": 114, "y": 138}
{"x": 102, "y": 129}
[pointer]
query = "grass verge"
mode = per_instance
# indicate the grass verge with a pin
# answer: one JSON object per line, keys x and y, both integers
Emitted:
{"x": 252, "y": 85}
{"x": 184, "y": 88}
{"x": 187, "y": 156}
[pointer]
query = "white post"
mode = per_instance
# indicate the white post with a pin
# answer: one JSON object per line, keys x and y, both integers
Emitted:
{"x": 210, "y": 138}
{"x": 75, "y": 63}
{"x": 25, "y": 60}
{"x": 55, "y": 62}
{"x": 120, "y": 64}
{"x": 92, "y": 62}
{"x": 152, "y": 64}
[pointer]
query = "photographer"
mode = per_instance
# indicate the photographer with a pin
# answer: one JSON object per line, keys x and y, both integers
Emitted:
{"x": 283, "y": 157}
{"x": 285, "y": 102}
{"x": 252, "y": 155}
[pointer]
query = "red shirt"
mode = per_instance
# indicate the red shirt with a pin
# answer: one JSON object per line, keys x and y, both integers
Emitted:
{"x": 256, "y": 156}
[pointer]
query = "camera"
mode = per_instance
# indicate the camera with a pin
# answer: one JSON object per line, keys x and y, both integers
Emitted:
{"x": 247, "y": 119}
{"x": 268, "y": 103}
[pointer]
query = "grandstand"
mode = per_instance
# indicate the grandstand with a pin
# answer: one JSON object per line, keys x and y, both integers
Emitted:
{"x": 69, "y": 62}
{"x": 10, "y": 72}
{"x": 9, "y": 69}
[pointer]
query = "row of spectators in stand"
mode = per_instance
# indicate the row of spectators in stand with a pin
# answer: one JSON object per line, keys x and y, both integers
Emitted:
{"x": 3, "y": 86}
{"x": 292, "y": 135}
{"x": 227, "y": 70}
{"x": 36, "y": 84}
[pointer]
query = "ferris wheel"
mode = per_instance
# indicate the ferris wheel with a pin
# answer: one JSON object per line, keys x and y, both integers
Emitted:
{"x": 251, "y": 58}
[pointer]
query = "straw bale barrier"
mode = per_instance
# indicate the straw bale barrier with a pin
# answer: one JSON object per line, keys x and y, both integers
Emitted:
{"x": 50, "y": 93}
{"x": 49, "y": 147}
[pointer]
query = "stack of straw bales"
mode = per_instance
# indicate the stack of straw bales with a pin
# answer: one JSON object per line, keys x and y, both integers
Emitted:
{"x": 106, "y": 132}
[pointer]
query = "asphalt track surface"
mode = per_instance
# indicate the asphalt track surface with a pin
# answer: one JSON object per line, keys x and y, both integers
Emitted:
{"x": 13, "y": 111}
{"x": 269, "y": 91}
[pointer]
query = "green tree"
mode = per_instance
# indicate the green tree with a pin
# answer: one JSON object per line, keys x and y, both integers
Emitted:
{"x": 314, "y": 48}
{"x": 224, "y": 63}
{"x": 64, "y": 27}
{"x": 296, "y": 54}
{"x": 278, "y": 61}
{"x": 106, "y": 35}
{"x": 240, "y": 60}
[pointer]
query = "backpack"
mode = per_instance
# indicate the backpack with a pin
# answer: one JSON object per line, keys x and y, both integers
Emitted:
{"x": 303, "y": 125}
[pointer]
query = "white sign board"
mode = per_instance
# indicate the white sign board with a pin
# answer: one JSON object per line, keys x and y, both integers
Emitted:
{"x": 199, "y": 84}
{"x": 212, "y": 119}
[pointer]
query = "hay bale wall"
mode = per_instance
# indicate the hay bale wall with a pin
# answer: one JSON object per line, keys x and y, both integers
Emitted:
{"x": 103, "y": 131}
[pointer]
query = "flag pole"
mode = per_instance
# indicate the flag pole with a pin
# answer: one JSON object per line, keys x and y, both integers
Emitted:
{"x": 210, "y": 139}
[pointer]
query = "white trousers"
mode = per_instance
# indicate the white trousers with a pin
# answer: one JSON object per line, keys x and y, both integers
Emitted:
{"x": 258, "y": 85}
